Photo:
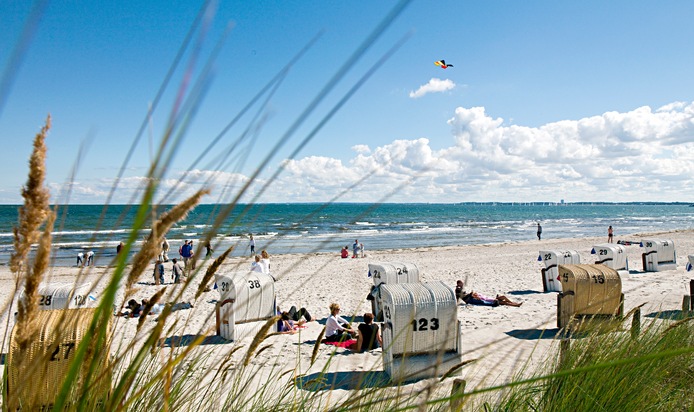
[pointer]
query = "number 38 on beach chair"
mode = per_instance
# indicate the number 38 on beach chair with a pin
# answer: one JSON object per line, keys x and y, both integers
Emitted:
{"x": 247, "y": 301}
{"x": 421, "y": 331}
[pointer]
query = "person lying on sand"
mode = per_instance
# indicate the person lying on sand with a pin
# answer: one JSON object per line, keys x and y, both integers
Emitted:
{"x": 290, "y": 321}
{"x": 474, "y": 298}
{"x": 135, "y": 309}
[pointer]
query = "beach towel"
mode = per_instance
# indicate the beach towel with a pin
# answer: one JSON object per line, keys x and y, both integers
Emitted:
{"x": 343, "y": 344}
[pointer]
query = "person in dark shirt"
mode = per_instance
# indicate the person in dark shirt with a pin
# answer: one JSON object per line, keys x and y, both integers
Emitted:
{"x": 369, "y": 335}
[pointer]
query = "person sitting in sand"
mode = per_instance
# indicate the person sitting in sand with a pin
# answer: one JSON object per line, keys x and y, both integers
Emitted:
{"x": 256, "y": 266}
{"x": 344, "y": 253}
{"x": 369, "y": 336}
{"x": 336, "y": 328}
{"x": 474, "y": 298}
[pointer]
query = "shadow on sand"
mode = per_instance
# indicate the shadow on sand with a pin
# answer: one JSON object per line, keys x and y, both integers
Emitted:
{"x": 533, "y": 334}
{"x": 185, "y": 340}
{"x": 524, "y": 292}
{"x": 668, "y": 314}
{"x": 343, "y": 380}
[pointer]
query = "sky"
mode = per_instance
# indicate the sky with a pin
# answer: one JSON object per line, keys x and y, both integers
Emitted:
{"x": 545, "y": 100}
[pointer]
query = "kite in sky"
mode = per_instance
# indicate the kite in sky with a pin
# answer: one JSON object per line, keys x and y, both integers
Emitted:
{"x": 442, "y": 64}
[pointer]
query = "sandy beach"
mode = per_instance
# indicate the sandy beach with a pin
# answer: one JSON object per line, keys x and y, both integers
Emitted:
{"x": 503, "y": 339}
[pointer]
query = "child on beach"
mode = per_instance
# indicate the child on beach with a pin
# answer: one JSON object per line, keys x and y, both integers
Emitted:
{"x": 176, "y": 271}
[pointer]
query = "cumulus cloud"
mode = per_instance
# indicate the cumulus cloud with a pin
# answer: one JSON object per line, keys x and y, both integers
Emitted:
{"x": 643, "y": 154}
{"x": 434, "y": 86}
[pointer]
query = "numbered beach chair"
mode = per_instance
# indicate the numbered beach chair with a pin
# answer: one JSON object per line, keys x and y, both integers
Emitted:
{"x": 54, "y": 296}
{"x": 421, "y": 331}
{"x": 690, "y": 262}
{"x": 658, "y": 255}
{"x": 613, "y": 256}
{"x": 389, "y": 273}
{"x": 34, "y": 375}
{"x": 589, "y": 292}
{"x": 247, "y": 301}
{"x": 552, "y": 259}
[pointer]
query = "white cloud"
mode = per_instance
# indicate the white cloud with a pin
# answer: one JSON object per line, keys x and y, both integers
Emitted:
{"x": 434, "y": 86}
{"x": 639, "y": 155}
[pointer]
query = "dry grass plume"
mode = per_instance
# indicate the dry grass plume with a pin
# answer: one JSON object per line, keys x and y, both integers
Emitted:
{"x": 28, "y": 305}
{"x": 149, "y": 305}
{"x": 316, "y": 347}
{"x": 258, "y": 338}
{"x": 36, "y": 197}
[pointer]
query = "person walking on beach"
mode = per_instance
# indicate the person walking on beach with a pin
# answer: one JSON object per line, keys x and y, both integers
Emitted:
{"x": 176, "y": 271}
{"x": 119, "y": 248}
{"x": 610, "y": 235}
{"x": 252, "y": 246}
{"x": 539, "y": 231}
{"x": 209, "y": 249}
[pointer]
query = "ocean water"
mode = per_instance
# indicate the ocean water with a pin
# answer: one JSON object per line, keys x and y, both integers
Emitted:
{"x": 305, "y": 228}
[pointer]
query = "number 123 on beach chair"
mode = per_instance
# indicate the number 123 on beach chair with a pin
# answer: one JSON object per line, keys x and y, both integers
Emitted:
{"x": 421, "y": 331}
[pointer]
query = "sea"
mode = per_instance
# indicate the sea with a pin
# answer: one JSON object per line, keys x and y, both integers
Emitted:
{"x": 310, "y": 228}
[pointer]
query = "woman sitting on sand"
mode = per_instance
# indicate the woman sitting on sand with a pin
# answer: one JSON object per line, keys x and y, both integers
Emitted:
{"x": 336, "y": 328}
{"x": 369, "y": 335}
{"x": 474, "y": 298}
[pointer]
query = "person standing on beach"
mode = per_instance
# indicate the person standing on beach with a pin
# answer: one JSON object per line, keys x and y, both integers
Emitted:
{"x": 119, "y": 248}
{"x": 209, "y": 249}
{"x": 355, "y": 248}
{"x": 252, "y": 246}
{"x": 158, "y": 272}
{"x": 539, "y": 231}
{"x": 186, "y": 252}
{"x": 610, "y": 235}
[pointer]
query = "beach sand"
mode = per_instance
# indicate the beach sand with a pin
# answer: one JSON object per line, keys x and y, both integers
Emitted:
{"x": 503, "y": 339}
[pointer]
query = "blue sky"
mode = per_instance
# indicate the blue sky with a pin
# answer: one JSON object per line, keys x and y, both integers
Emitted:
{"x": 583, "y": 101}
